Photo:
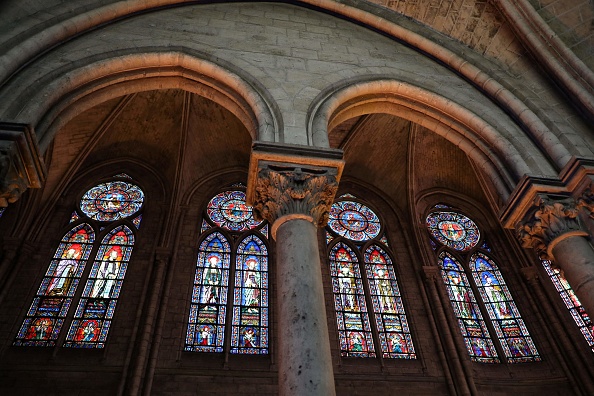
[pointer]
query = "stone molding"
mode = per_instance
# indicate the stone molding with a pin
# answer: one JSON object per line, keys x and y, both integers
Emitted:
{"x": 551, "y": 220}
{"x": 21, "y": 166}
{"x": 431, "y": 272}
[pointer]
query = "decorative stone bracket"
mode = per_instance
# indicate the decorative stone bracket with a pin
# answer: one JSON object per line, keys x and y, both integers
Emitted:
{"x": 21, "y": 166}
{"x": 551, "y": 220}
{"x": 294, "y": 181}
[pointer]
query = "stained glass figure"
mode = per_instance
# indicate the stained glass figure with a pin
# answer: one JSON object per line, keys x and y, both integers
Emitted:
{"x": 229, "y": 211}
{"x": 476, "y": 337}
{"x": 453, "y": 230}
{"x": 206, "y": 328}
{"x": 112, "y": 201}
{"x": 96, "y": 307}
{"x": 354, "y": 221}
{"x": 390, "y": 318}
{"x": 352, "y": 318}
{"x": 573, "y": 304}
{"x": 46, "y": 315}
{"x": 509, "y": 326}
{"x": 249, "y": 332}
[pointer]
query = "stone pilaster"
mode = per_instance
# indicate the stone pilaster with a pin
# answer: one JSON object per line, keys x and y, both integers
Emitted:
{"x": 20, "y": 164}
{"x": 550, "y": 221}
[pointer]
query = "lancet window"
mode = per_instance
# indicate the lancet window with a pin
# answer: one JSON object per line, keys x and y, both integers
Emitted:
{"x": 477, "y": 290}
{"x": 108, "y": 212}
{"x": 571, "y": 301}
{"x": 231, "y": 280}
{"x": 370, "y": 314}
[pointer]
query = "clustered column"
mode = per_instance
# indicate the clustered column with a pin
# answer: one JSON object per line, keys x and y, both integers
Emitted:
{"x": 295, "y": 199}
{"x": 552, "y": 227}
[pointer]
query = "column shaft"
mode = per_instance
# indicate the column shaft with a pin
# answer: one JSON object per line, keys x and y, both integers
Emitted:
{"x": 305, "y": 364}
{"x": 575, "y": 257}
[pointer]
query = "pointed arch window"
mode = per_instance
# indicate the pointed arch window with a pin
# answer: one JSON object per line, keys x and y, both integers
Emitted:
{"x": 477, "y": 289}
{"x": 110, "y": 211}
{"x": 370, "y": 313}
{"x": 571, "y": 301}
{"x": 231, "y": 280}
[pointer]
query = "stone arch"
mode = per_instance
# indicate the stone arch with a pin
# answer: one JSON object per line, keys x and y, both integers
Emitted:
{"x": 62, "y": 98}
{"x": 494, "y": 153}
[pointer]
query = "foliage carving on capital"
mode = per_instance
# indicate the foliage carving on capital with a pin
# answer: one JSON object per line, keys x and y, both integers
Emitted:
{"x": 284, "y": 191}
{"x": 12, "y": 182}
{"x": 586, "y": 200}
{"x": 549, "y": 219}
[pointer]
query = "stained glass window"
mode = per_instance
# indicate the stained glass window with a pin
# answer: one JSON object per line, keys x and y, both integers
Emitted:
{"x": 354, "y": 221}
{"x": 386, "y": 319}
{"x": 46, "y": 316}
{"x": 573, "y": 304}
{"x": 509, "y": 326}
{"x": 468, "y": 314}
{"x": 206, "y": 329}
{"x": 229, "y": 211}
{"x": 96, "y": 307}
{"x": 250, "y": 302}
{"x": 453, "y": 230}
{"x": 2, "y": 211}
{"x": 245, "y": 299}
{"x": 354, "y": 329}
{"x": 112, "y": 201}
{"x": 105, "y": 202}
{"x": 390, "y": 318}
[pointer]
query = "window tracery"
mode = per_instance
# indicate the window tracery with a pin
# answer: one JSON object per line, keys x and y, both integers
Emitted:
{"x": 456, "y": 235}
{"x": 97, "y": 213}
{"x": 370, "y": 314}
{"x": 230, "y": 234}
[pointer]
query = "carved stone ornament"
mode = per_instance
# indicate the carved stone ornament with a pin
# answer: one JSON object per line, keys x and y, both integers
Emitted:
{"x": 586, "y": 201}
{"x": 281, "y": 191}
{"x": 20, "y": 164}
{"x": 550, "y": 220}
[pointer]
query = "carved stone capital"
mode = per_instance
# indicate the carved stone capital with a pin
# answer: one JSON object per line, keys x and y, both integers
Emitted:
{"x": 551, "y": 220}
{"x": 20, "y": 164}
{"x": 282, "y": 191}
{"x": 586, "y": 200}
{"x": 290, "y": 181}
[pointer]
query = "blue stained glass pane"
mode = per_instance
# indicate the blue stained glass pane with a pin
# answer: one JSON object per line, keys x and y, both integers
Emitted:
{"x": 354, "y": 329}
{"x": 112, "y": 201}
{"x": 472, "y": 325}
{"x": 509, "y": 326}
{"x": 209, "y": 299}
{"x": 354, "y": 221}
{"x": 250, "y": 302}
{"x": 2, "y": 211}
{"x": 44, "y": 320}
{"x": 390, "y": 317}
{"x": 573, "y": 304}
{"x": 99, "y": 298}
{"x": 229, "y": 210}
{"x": 453, "y": 230}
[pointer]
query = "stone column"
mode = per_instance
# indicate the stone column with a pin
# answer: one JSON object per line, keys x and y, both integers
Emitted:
{"x": 295, "y": 194}
{"x": 21, "y": 166}
{"x": 552, "y": 227}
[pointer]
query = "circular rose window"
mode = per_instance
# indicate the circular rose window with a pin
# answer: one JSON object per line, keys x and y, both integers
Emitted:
{"x": 354, "y": 221}
{"x": 112, "y": 201}
{"x": 453, "y": 229}
{"x": 229, "y": 210}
